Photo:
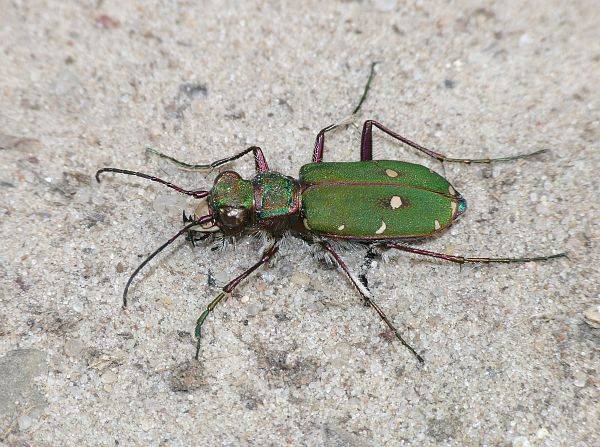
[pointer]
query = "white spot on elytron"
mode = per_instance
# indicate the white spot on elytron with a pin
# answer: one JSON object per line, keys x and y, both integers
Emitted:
{"x": 381, "y": 228}
{"x": 437, "y": 224}
{"x": 341, "y": 227}
{"x": 391, "y": 173}
{"x": 453, "y": 205}
{"x": 305, "y": 222}
{"x": 396, "y": 202}
{"x": 452, "y": 190}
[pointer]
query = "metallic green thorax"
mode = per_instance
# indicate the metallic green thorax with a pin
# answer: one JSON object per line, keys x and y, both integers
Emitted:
{"x": 376, "y": 200}
{"x": 275, "y": 195}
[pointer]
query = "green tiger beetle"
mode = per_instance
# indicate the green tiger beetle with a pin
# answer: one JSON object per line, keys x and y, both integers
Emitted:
{"x": 378, "y": 203}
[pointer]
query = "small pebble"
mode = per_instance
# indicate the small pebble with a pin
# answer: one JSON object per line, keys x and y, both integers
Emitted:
{"x": 109, "y": 377}
{"x": 146, "y": 424}
{"x": 525, "y": 39}
{"x": 542, "y": 433}
{"x": 521, "y": 441}
{"x": 25, "y": 422}
{"x": 385, "y": 5}
{"x": 77, "y": 306}
{"x": 253, "y": 309}
{"x": 106, "y": 22}
{"x": 300, "y": 279}
{"x": 317, "y": 306}
{"x": 579, "y": 379}
{"x": 73, "y": 347}
{"x": 592, "y": 316}
{"x": 186, "y": 377}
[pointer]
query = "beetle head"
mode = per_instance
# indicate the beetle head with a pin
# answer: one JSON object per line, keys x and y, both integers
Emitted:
{"x": 231, "y": 201}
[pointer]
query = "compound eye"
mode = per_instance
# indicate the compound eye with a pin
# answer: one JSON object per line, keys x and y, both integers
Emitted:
{"x": 233, "y": 217}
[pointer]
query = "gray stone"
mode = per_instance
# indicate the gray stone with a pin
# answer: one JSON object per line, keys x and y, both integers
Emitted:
{"x": 19, "y": 395}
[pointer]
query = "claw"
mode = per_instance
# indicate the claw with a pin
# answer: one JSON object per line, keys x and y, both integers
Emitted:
{"x": 197, "y": 349}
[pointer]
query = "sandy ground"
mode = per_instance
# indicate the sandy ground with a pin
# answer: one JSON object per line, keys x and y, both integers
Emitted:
{"x": 293, "y": 357}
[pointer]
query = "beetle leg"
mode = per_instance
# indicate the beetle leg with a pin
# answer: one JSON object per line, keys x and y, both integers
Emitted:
{"x": 366, "y": 147}
{"x": 267, "y": 255}
{"x": 368, "y": 297}
{"x": 477, "y": 260}
{"x": 259, "y": 159}
{"x": 320, "y": 140}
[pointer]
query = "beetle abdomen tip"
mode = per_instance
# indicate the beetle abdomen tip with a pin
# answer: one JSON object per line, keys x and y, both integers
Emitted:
{"x": 462, "y": 206}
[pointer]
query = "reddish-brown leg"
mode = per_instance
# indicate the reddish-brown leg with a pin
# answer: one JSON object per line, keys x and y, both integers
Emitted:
{"x": 320, "y": 140}
{"x": 366, "y": 147}
{"x": 463, "y": 259}
{"x": 320, "y": 144}
{"x": 267, "y": 255}
{"x": 368, "y": 297}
